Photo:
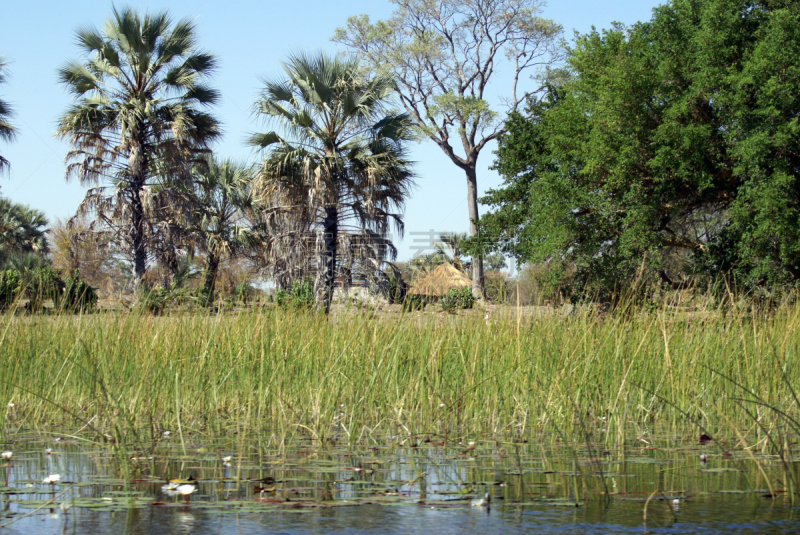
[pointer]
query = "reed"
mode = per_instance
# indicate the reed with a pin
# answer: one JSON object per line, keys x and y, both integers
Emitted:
{"x": 362, "y": 378}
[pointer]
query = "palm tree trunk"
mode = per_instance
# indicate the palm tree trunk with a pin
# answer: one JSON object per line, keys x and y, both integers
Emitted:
{"x": 472, "y": 204}
{"x": 137, "y": 164}
{"x": 330, "y": 226}
{"x": 137, "y": 239}
{"x": 211, "y": 277}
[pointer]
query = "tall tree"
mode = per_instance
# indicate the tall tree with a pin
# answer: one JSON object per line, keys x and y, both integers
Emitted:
{"x": 338, "y": 162}
{"x": 7, "y": 131}
{"x": 138, "y": 120}
{"x": 221, "y": 196}
{"x": 675, "y": 138}
{"x": 446, "y": 57}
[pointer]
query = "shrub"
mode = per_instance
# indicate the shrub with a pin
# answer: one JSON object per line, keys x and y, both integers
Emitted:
{"x": 45, "y": 284}
{"x": 10, "y": 288}
{"x": 77, "y": 296}
{"x": 242, "y": 293}
{"x": 397, "y": 290}
{"x": 301, "y": 295}
{"x": 414, "y": 302}
{"x": 457, "y": 299}
{"x": 496, "y": 287}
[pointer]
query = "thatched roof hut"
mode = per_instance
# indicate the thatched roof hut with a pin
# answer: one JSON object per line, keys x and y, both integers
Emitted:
{"x": 440, "y": 280}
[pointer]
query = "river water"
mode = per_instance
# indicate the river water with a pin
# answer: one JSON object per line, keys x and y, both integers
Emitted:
{"x": 668, "y": 486}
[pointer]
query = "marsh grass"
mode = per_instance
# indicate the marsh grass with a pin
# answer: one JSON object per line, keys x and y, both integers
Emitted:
{"x": 360, "y": 378}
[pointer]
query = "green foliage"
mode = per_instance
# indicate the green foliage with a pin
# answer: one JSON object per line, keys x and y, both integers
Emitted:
{"x": 242, "y": 293}
{"x": 141, "y": 82}
{"x": 21, "y": 230}
{"x": 496, "y": 288}
{"x": 301, "y": 295}
{"x": 156, "y": 300}
{"x": 670, "y": 145}
{"x": 10, "y": 288}
{"x": 397, "y": 290}
{"x": 77, "y": 296}
{"x": 457, "y": 299}
{"x": 44, "y": 284}
{"x": 414, "y": 302}
{"x": 338, "y": 165}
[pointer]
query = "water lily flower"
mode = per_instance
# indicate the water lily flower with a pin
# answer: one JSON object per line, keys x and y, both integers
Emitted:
{"x": 166, "y": 435}
{"x": 6, "y": 455}
{"x": 52, "y": 479}
{"x": 169, "y": 488}
{"x": 226, "y": 461}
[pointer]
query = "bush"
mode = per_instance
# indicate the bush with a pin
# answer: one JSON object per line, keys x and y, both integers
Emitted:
{"x": 46, "y": 284}
{"x": 397, "y": 290}
{"x": 301, "y": 295}
{"x": 496, "y": 287}
{"x": 413, "y": 302}
{"x": 10, "y": 288}
{"x": 77, "y": 296}
{"x": 460, "y": 299}
{"x": 242, "y": 293}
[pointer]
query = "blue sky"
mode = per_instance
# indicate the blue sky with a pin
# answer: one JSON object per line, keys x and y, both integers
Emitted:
{"x": 250, "y": 38}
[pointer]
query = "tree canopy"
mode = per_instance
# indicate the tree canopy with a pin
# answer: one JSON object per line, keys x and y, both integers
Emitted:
{"x": 673, "y": 144}
{"x": 447, "y": 57}
{"x": 335, "y": 174}
{"x": 22, "y": 230}
{"x": 138, "y": 122}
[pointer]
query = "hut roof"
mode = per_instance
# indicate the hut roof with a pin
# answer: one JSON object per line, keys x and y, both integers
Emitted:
{"x": 440, "y": 280}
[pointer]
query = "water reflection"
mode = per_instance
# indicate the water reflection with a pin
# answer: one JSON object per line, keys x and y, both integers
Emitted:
{"x": 390, "y": 489}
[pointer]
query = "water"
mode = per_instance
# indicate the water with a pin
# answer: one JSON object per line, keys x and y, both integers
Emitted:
{"x": 306, "y": 488}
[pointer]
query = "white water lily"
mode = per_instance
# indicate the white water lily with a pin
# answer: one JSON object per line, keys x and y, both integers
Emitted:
{"x": 226, "y": 461}
{"x": 52, "y": 479}
{"x": 6, "y": 455}
{"x": 169, "y": 489}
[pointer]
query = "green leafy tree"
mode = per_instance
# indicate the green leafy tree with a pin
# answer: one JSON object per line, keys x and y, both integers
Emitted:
{"x": 7, "y": 131}
{"x": 337, "y": 167}
{"x": 137, "y": 122}
{"x": 673, "y": 141}
{"x": 445, "y": 56}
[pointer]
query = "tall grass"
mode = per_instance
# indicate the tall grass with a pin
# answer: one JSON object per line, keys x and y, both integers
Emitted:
{"x": 363, "y": 378}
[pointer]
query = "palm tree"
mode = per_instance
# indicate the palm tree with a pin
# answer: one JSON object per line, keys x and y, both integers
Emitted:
{"x": 7, "y": 132}
{"x": 221, "y": 194}
{"x": 21, "y": 230}
{"x": 449, "y": 248}
{"x": 337, "y": 167}
{"x": 137, "y": 123}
